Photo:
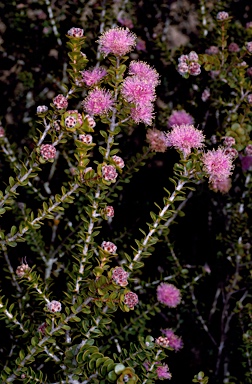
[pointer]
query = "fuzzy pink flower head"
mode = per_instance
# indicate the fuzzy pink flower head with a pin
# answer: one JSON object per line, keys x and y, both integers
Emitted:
{"x": 60, "y": 102}
{"x": 205, "y": 95}
{"x": 109, "y": 173}
{"x": 117, "y": 41}
{"x": 212, "y": 50}
{"x": 222, "y": 186}
{"x": 98, "y": 102}
{"x": 248, "y": 150}
{"x": 109, "y": 211}
{"x": 157, "y": 139}
{"x": 185, "y": 137}
{"x": 109, "y": 246}
{"x": 2, "y": 132}
{"x": 163, "y": 372}
{"x": 130, "y": 299}
{"x": 228, "y": 141}
{"x": 217, "y": 165}
{"x": 118, "y": 160}
{"x": 87, "y": 139}
{"x": 48, "y": 151}
{"x": 194, "y": 68}
{"x": 180, "y": 118}
{"x": 233, "y": 47}
{"x": 163, "y": 341}
{"x": 54, "y": 306}
{"x": 92, "y": 77}
{"x": 249, "y": 46}
{"x": 168, "y": 294}
{"x": 144, "y": 72}
{"x": 120, "y": 276}
{"x": 134, "y": 90}
{"x": 142, "y": 114}
{"x": 42, "y": 109}
{"x": 175, "y": 341}
{"x": 222, "y": 15}
{"x": 75, "y": 32}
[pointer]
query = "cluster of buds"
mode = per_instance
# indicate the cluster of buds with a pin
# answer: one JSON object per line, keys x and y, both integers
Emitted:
{"x": 54, "y": 306}
{"x": 87, "y": 139}
{"x": 222, "y": 16}
{"x": 70, "y": 121}
{"x": 248, "y": 150}
{"x": 108, "y": 246}
{"x": 48, "y": 151}
{"x": 163, "y": 341}
{"x": 56, "y": 125}
{"x": 229, "y": 142}
{"x": 90, "y": 121}
{"x": 60, "y": 102}
{"x": 109, "y": 211}
{"x": 130, "y": 299}
{"x": 75, "y": 32}
{"x": 22, "y": 269}
{"x": 120, "y": 276}
{"x": 109, "y": 173}
{"x": 188, "y": 64}
{"x": 118, "y": 160}
{"x": 42, "y": 109}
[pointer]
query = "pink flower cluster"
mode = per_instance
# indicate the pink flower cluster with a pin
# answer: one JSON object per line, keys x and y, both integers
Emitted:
{"x": 75, "y": 32}
{"x": 92, "y": 77}
{"x": 188, "y": 64}
{"x": 130, "y": 299}
{"x": 168, "y": 294}
{"x": 54, "y": 306}
{"x": 218, "y": 165}
{"x": 48, "y": 151}
{"x": 90, "y": 121}
{"x": 87, "y": 139}
{"x": 175, "y": 342}
{"x": 42, "y": 108}
{"x": 98, "y": 102}
{"x": 118, "y": 160}
{"x": 185, "y": 137}
{"x": 109, "y": 246}
{"x": 139, "y": 88}
{"x": 157, "y": 139}
{"x": 70, "y": 121}
{"x": 60, "y": 102}
{"x": 179, "y": 118}
{"x": 163, "y": 372}
{"x": 233, "y": 48}
{"x": 22, "y": 270}
{"x": 109, "y": 211}
{"x": 109, "y": 173}
{"x": 248, "y": 150}
{"x": 120, "y": 276}
{"x": 117, "y": 41}
{"x": 77, "y": 114}
{"x": 222, "y": 15}
{"x": 163, "y": 341}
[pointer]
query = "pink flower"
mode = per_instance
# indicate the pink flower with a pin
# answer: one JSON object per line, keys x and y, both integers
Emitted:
{"x": 120, "y": 276}
{"x": 175, "y": 342}
{"x": 92, "y": 77}
{"x": 47, "y": 151}
{"x": 60, "y": 102}
{"x": 249, "y": 25}
{"x": 87, "y": 139}
{"x": 222, "y": 15}
{"x": 217, "y": 165}
{"x": 98, "y": 102}
{"x": 109, "y": 246}
{"x": 183, "y": 68}
{"x": 249, "y": 46}
{"x": 168, "y": 294}
{"x": 54, "y": 306}
{"x": 118, "y": 160}
{"x": 248, "y": 150}
{"x": 179, "y": 118}
{"x": 77, "y": 114}
{"x": 185, "y": 137}
{"x": 222, "y": 186}
{"x": 130, "y": 299}
{"x": 249, "y": 98}
{"x": 142, "y": 113}
{"x": 232, "y": 152}
{"x": 157, "y": 139}
{"x": 233, "y": 47}
{"x": 193, "y": 56}
{"x": 117, "y": 41}
{"x": 90, "y": 121}
{"x": 126, "y": 23}
{"x": 70, "y": 121}
{"x": 42, "y": 328}
{"x": 109, "y": 173}
{"x": 75, "y": 32}
{"x": 140, "y": 45}
{"x": 194, "y": 69}
{"x": 134, "y": 90}
{"x": 246, "y": 162}
{"x": 183, "y": 59}
{"x": 163, "y": 372}
{"x": 162, "y": 341}
{"x": 22, "y": 270}
{"x": 229, "y": 141}
{"x": 144, "y": 72}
